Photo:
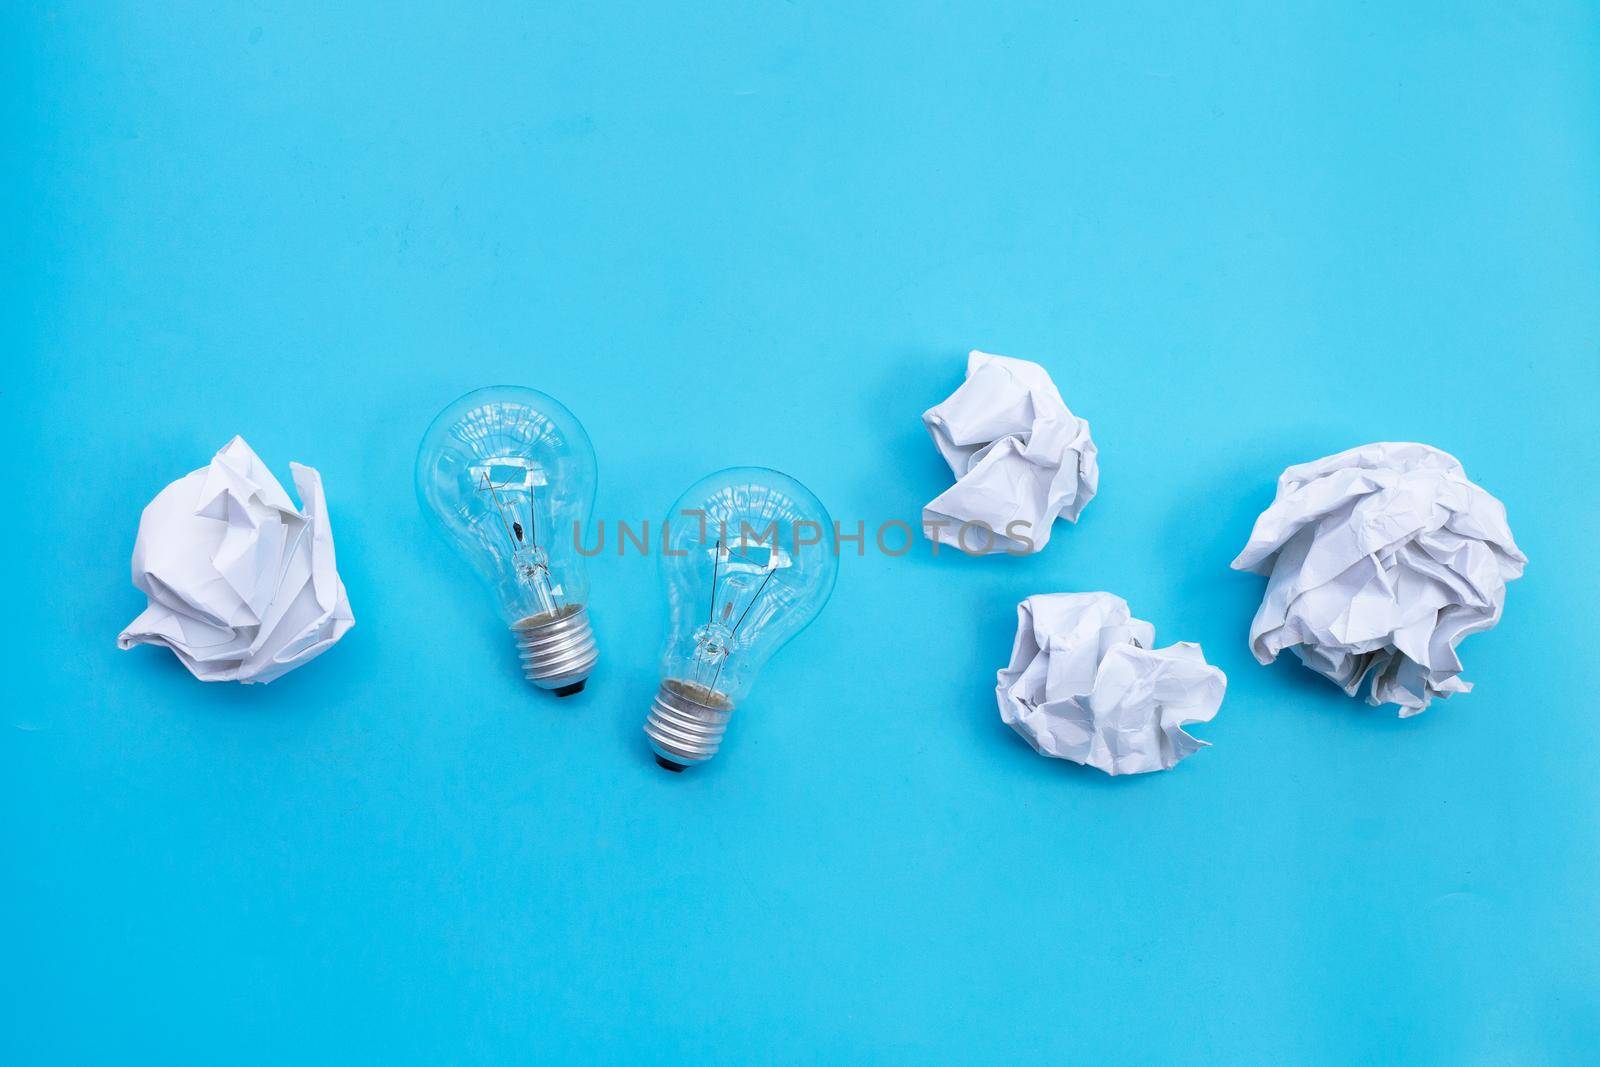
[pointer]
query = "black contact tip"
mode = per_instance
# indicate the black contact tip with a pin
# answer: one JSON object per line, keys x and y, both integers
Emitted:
{"x": 568, "y": 690}
{"x": 666, "y": 764}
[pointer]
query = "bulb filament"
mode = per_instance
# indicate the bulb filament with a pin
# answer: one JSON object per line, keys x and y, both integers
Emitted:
{"x": 716, "y": 640}
{"x": 531, "y": 563}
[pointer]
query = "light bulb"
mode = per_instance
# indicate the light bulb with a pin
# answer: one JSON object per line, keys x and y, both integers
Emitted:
{"x": 748, "y": 558}
{"x": 507, "y": 474}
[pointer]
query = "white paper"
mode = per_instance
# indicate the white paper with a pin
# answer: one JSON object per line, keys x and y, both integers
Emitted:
{"x": 1019, "y": 456}
{"x": 1379, "y": 561}
{"x": 1085, "y": 683}
{"x": 242, "y": 584}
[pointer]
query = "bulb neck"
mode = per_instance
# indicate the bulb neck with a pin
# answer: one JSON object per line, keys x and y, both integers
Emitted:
{"x": 686, "y": 723}
{"x": 557, "y": 648}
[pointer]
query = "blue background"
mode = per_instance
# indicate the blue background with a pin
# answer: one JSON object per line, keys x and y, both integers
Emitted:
{"x": 768, "y": 233}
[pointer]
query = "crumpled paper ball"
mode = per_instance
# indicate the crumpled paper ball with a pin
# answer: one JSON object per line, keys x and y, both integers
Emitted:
{"x": 1379, "y": 561}
{"x": 1019, "y": 456}
{"x": 242, "y": 584}
{"x": 1085, "y": 683}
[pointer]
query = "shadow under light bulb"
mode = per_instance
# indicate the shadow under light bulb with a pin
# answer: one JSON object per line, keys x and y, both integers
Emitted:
{"x": 506, "y": 473}
{"x": 747, "y": 560}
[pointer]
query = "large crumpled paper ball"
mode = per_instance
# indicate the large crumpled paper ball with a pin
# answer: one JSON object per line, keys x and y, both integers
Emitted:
{"x": 1086, "y": 683}
{"x": 1020, "y": 457}
{"x": 1379, "y": 561}
{"x": 242, "y": 584}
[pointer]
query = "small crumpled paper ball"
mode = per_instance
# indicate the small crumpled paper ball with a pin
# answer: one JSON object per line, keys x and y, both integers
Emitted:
{"x": 242, "y": 584}
{"x": 1379, "y": 561}
{"x": 1019, "y": 456}
{"x": 1085, "y": 683}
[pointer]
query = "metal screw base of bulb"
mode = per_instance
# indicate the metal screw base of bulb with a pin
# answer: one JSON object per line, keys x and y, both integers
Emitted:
{"x": 686, "y": 723}
{"x": 557, "y": 649}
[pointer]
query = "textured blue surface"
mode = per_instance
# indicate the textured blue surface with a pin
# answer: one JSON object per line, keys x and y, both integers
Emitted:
{"x": 767, "y": 233}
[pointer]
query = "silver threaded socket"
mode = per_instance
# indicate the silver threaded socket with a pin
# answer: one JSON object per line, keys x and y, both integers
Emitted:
{"x": 686, "y": 723}
{"x": 557, "y": 648}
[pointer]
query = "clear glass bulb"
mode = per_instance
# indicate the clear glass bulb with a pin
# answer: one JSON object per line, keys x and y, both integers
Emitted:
{"x": 508, "y": 474}
{"x": 748, "y": 558}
